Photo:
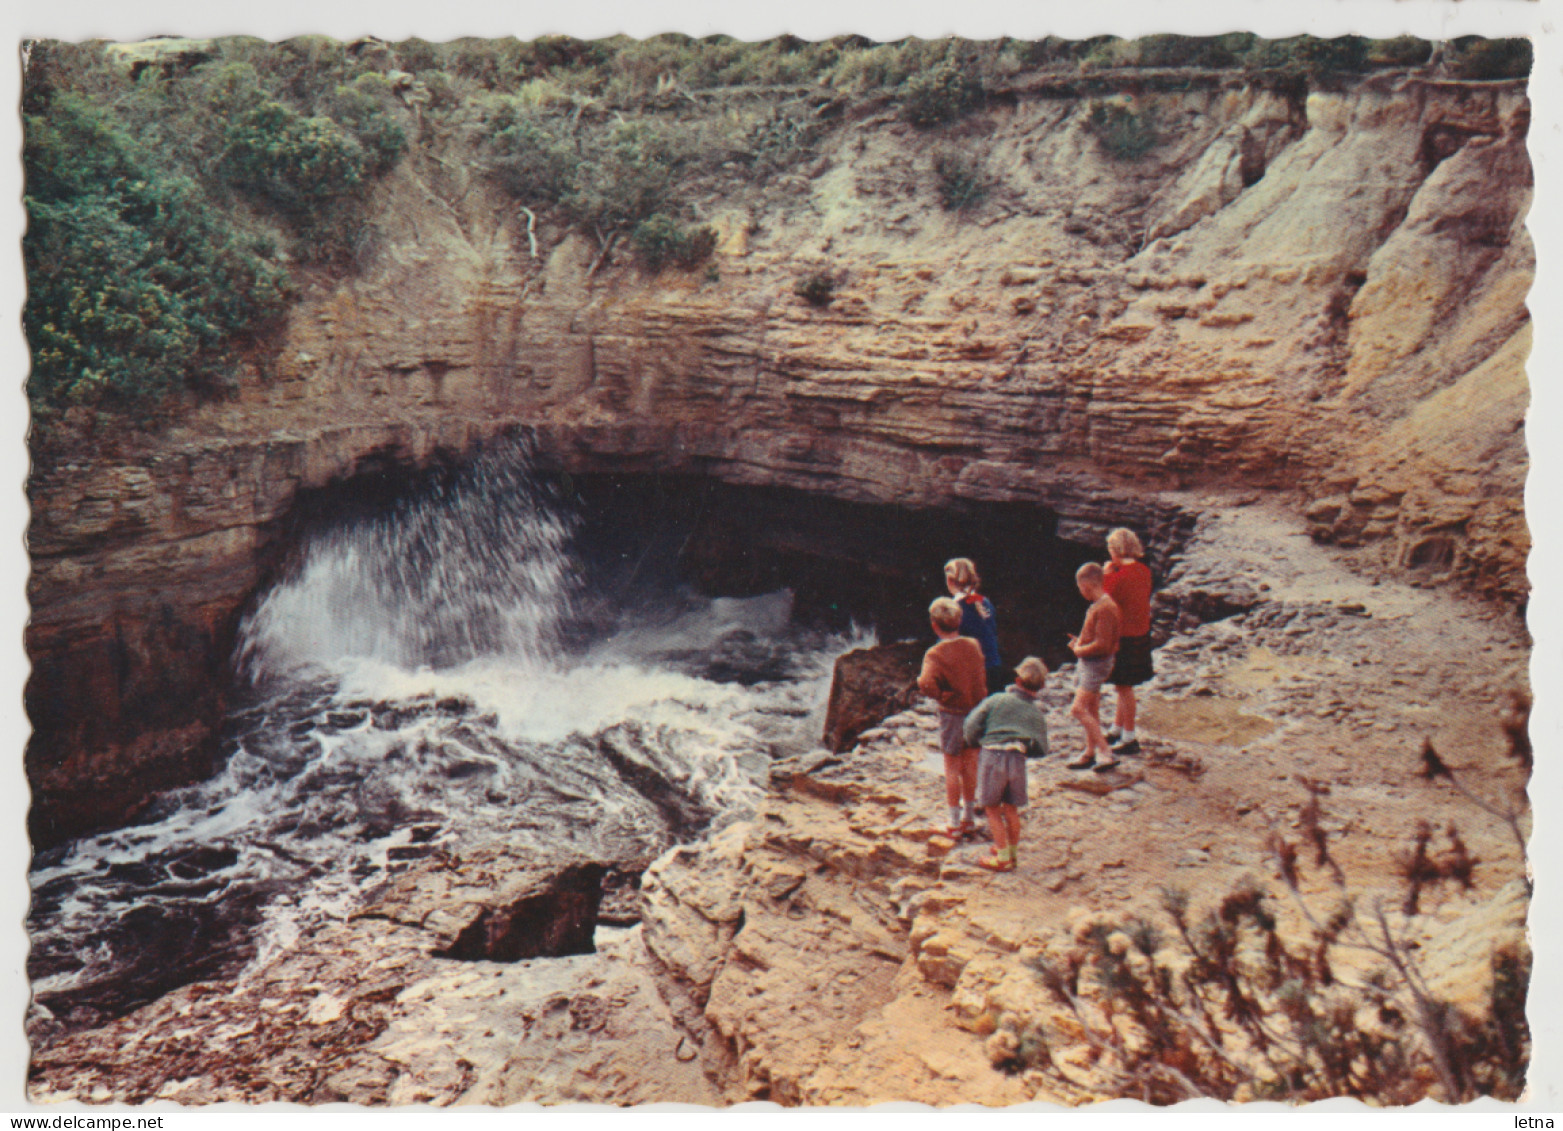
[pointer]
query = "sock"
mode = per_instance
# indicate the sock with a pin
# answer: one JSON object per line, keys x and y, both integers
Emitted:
{"x": 969, "y": 812}
{"x": 1007, "y": 853}
{"x": 955, "y": 815}
{"x": 1113, "y": 733}
{"x": 1127, "y": 736}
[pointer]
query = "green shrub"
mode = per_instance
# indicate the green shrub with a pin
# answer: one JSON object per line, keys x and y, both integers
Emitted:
{"x": 779, "y": 141}
{"x": 940, "y": 95}
{"x": 1185, "y": 51}
{"x": 1124, "y": 133}
{"x": 137, "y": 285}
{"x": 553, "y": 53}
{"x": 368, "y": 107}
{"x": 869, "y": 66}
{"x": 962, "y": 182}
{"x": 1310, "y": 57}
{"x": 626, "y": 176}
{"x": 417, "y": 56}
{"x": 816, "y": 289}
{"x": 643, "y": 66}
{"x": 300, "y": 72}
{"x": 605, "y": 178}
{"x": 536, "y": 160}
{"x": 660, "y": 240}
{"x": 493, "y": 64}
{"x": 1472, "y": 57}
{"x": 293, "y": 161}
{"x": 639, "y": 68}
{"x": 1324, "y": 58}
{"x": 229, "y": 88}
{"x": 1401, "y": 51}
{"x": 441, "y": 88}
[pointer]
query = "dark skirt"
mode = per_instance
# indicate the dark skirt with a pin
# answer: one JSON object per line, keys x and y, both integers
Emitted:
{"x": 1133, "y": 664}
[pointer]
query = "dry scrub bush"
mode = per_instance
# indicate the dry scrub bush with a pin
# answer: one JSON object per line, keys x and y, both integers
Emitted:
{"x": 1125, "y": 132}
{"x": 941, "y": 94}
{"x": 661, "y": 240}
{"x": 963, "y": 182}
{"x": 817, "y": 289}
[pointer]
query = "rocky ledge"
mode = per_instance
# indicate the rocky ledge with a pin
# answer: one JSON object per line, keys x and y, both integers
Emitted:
{"x": 835, "y": 948}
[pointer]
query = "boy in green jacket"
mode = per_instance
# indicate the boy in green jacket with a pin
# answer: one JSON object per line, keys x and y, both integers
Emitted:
{"x": 1008, "y": 727}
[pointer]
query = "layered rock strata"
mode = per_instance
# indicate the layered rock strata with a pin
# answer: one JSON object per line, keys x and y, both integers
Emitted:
{"x": 1322, "y": 296}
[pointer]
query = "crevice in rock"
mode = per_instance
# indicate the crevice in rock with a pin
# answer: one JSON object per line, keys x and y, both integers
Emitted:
{"x": 556, "y": 918}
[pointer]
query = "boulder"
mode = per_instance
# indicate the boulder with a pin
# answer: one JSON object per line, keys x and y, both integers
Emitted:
{"x": 868, "y": 686}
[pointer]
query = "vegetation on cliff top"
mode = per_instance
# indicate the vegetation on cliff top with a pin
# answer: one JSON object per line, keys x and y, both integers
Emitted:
{"x": 175, "y": 187}
{"x": 137, "y": 283}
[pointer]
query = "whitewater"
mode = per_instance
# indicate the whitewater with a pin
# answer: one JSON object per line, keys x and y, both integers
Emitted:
{"x": 445, "y": 671}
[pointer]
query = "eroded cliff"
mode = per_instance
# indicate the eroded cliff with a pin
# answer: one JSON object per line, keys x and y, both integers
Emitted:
{"x": 1320, "y": 296}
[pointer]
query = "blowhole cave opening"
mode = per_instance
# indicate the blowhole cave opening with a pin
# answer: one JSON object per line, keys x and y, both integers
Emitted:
{"x": 847, "y": 563}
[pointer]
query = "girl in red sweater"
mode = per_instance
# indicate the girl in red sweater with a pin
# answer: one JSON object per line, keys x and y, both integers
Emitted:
{"x": 1128, "y": 582}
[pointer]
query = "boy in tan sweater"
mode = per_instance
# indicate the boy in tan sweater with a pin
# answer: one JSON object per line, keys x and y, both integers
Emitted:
{"x": 954, "y": 675}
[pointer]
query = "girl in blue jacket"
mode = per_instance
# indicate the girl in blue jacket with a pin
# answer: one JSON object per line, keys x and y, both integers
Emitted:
{"x": 977, "y": 620}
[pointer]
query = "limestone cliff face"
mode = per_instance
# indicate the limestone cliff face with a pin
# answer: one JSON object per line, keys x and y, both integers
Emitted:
{"x": 1321, "y": 296}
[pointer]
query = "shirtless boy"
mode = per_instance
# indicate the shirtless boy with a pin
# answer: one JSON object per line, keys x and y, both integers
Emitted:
{"x": 1094, "y": 649}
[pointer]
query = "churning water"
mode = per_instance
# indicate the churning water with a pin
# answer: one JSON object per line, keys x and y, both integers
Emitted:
{"x": 433, "y": 676}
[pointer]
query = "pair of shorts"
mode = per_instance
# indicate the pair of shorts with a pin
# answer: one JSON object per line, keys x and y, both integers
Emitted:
{"x": 1091, "y": 673}
{"x": 1001, "y": 778}
{"x": 1134, "y": 662}
{"x": 952, "y": 733}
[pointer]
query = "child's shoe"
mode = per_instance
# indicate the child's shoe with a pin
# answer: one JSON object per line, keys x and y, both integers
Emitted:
{"x": 993, "y": 862}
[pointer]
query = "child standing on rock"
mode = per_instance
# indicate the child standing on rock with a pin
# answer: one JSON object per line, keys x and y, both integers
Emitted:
{"x": 953, "y": 676}
{"x": 1095, "y": 649}
{"x": 1008, "y": 727}
{"x": 977, "y": 620}
{"x": 1127, "y": 580}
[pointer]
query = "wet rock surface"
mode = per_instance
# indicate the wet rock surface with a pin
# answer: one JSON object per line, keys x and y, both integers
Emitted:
{"x": 837, "y": 948}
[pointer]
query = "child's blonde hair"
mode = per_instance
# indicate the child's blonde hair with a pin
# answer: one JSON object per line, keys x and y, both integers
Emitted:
{"x": 945, "y": 614}
{"x": 963, "y": 572}
{"x": 1030, "y": 673}
{"x": 1125, "y": 543}
{"x": 1091, "y": 572}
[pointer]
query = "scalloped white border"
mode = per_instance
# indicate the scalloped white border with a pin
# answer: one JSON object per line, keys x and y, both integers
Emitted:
{"x": 814, "y": 19}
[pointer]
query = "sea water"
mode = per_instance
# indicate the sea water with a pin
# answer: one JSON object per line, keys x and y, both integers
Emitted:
{"x": 434, "y": 675}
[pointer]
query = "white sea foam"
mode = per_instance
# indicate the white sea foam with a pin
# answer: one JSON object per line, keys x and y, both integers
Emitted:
{"x": 409, "y": 676}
